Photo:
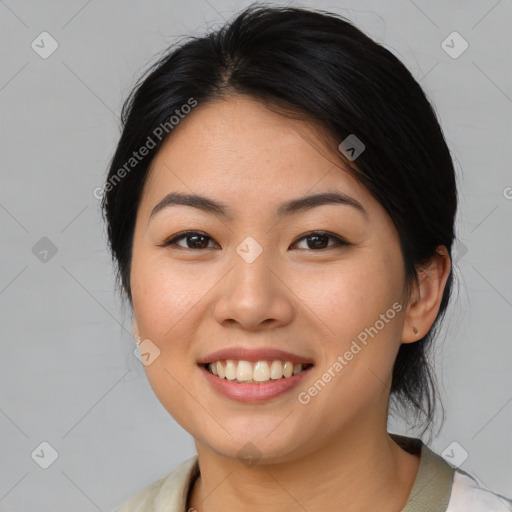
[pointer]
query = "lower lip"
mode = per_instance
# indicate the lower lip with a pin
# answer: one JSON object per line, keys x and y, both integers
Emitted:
{"x": 253, "y": 392}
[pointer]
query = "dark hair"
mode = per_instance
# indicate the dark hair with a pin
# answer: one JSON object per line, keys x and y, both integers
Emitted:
{"x": 317, "y": 66}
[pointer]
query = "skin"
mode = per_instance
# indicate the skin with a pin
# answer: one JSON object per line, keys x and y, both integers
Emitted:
{"x": 313, "y": 302}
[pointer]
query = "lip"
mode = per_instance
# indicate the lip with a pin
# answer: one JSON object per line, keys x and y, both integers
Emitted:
{"x": 254, "y": 355}
{"x": 251, "y": 393}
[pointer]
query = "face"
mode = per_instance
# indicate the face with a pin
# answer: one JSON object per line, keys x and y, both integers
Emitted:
{"x": 322, "y": 282}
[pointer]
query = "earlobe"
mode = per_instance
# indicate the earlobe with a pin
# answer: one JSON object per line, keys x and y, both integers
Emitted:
{"x": 426, "y": 297}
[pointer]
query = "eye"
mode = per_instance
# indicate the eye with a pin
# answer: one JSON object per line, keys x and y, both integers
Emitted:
{"x": 195, "y": 240}
{"x": 318, "y": 239}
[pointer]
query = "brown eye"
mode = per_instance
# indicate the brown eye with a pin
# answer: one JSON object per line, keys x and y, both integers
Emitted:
{"x": 315, "y": 240}
{"x": 194, "y": 240}
{"x": 318, "y": 240}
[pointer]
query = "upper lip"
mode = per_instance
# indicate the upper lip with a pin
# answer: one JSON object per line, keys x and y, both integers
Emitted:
{"x": 253, "y": 355}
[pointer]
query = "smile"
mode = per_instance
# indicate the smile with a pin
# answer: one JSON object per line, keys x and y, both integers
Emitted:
{"x": 238, "y": 380}
{"x": 258, "y": 372}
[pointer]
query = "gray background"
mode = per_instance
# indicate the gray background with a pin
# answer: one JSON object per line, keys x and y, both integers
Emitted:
{"x": 68, "y": 374}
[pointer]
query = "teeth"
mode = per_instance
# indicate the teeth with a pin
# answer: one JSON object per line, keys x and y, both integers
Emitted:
{"x": 221, "y": 372}
{"x": 246, "y": 371}
{"x": 230, "y": 369}
{"x": 261, "y": 371}
{"x": 276, "y": 370}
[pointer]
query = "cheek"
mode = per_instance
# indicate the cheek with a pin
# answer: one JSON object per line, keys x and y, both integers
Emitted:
{"x": 348, "y": 298}
{"x": 169, "y": 302}
{"x": 165, "y": 295}
{"x": 358, "y": 310}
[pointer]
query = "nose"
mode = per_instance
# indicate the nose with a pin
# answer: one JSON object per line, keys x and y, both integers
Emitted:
{"x": 254, "y": 296}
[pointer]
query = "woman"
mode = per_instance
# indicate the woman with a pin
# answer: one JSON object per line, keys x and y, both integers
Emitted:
{"x": 280, "y": 210}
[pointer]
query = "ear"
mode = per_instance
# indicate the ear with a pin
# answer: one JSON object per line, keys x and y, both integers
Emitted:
{"x": 426, "y": 296}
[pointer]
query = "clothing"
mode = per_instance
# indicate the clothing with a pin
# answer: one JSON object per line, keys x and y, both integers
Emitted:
{"x": 438, "y": 487}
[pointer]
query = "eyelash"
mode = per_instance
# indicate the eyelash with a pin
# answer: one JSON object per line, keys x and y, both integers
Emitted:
{"x": 340, "y": 241}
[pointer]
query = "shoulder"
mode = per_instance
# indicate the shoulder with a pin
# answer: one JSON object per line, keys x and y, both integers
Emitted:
{"x": 166, "y": 494}
{"x": 441, "y": 486}
{"x": 469, "y": 496}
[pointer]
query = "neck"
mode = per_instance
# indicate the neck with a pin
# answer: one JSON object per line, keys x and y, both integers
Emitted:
{"x": 355, "y": 471}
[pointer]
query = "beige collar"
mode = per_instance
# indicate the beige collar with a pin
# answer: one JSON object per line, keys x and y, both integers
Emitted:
{"x": 432, "y": 487}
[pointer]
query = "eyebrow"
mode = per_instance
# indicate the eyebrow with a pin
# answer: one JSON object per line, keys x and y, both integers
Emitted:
{"x": 293, "y": 206}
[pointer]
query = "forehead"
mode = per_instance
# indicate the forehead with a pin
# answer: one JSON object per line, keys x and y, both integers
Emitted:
{"x": 240, "y": 151}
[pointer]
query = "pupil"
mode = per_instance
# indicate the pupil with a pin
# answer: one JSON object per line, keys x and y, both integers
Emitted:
{"x": 317, "y": 244}
{"x": 198, "y": 245}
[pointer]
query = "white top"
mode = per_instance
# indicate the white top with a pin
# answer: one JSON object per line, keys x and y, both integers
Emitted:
{"x": 468, "y": 496}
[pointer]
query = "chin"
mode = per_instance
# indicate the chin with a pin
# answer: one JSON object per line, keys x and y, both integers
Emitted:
{"x": 254, "y": 447}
